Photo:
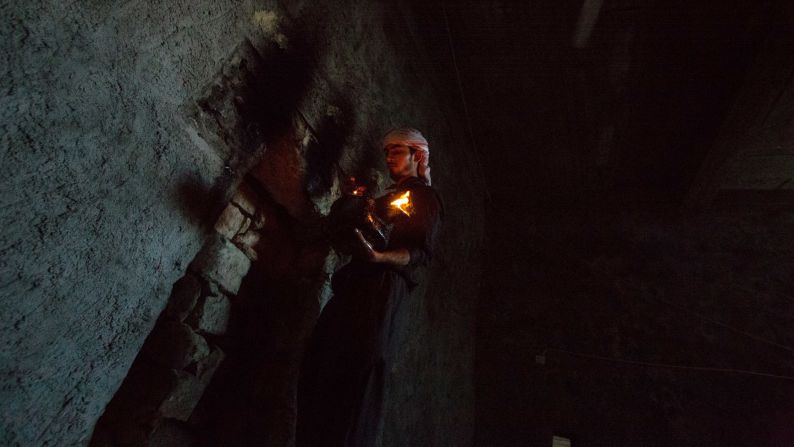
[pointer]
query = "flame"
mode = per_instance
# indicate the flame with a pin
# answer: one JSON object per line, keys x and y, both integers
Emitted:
{"x": 403, "y": 203}
{"x": 355, "y": 188}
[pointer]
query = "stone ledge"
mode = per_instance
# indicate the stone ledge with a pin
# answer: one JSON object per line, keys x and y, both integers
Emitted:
{"x": 222, "y": 262}
{"x": 188, "y": 388}
{"x": 246, "y": 198}
{"x": 231, "y": 221}
{"x": 212, "y": 315}
{"x": 184, "y": 296}
{"x": 175, "y": 345}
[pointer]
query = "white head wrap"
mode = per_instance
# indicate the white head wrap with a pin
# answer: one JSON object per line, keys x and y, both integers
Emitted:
{"x": 412, "y": 138}
{"x": 407, "y": 136}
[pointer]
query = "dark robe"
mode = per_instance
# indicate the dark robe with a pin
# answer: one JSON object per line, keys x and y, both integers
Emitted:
{"x": 342, "y": 386}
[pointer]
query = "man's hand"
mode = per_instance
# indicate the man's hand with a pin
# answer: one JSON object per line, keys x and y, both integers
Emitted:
{"x": 399, "y": 257}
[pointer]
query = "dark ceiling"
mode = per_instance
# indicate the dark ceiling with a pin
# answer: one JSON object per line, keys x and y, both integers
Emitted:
{"x": 629, "y": 116}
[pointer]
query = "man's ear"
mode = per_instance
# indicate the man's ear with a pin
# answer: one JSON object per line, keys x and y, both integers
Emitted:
{"x": 419, "y": 156}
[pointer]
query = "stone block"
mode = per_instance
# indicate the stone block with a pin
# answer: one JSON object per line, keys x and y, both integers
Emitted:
{"x": 250, "y": 252}
{"x": 230, "y": 221}
{"x": 246, "y": 198}
{"x": 259, "y": 220}
{"x": 213, "y": 315}
{"x": 222, "y": 262}
{"x": 188, "y": 387}
{"x": 185, "y": 395}
{"x": 248, "y": 239}
{"x": 184, "y": 296}
{"x": 175, "y": 345}
{"x": 246, "y": 243}
{"x": 245, "y": 226}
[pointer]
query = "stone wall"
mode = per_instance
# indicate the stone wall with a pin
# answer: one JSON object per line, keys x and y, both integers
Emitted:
{"x": 120, "y": 154}
{"x": 628, "y": 328}
{"x": 752, "y": 151}
{"x": 182, "y": 353}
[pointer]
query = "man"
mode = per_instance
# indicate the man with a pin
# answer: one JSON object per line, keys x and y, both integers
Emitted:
{"x": 343, "y": 378}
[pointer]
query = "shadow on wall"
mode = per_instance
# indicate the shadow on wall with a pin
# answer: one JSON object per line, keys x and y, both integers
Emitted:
{"x": 252, "y": 401}
{"x": 324, "y": 151}
{"x": 249, "y": 116}
{"x": 248, "y": 105}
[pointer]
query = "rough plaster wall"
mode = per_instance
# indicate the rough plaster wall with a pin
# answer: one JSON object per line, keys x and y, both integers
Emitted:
{"x": 753, "y": 149}
{"x": 101, "y": 175}
{"x": 95, "y": 166}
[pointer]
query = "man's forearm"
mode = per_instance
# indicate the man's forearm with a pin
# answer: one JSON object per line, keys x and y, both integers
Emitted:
{"x": 399, "y": 257}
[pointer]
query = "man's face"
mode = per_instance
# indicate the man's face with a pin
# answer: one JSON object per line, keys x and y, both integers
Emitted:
{"x": 401, "y": 162}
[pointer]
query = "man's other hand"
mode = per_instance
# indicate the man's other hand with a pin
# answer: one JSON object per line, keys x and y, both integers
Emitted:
{"x": 399, "y": 257}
